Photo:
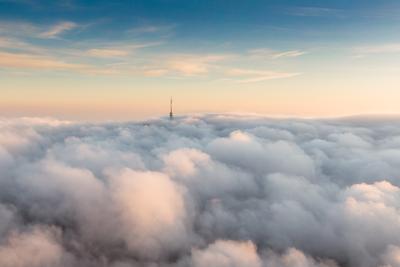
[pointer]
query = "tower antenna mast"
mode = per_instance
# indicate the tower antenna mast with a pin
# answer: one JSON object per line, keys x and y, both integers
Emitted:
{"x": 171, "y": 115}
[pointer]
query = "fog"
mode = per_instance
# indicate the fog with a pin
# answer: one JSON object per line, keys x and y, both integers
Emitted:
{"x": 202, "y": 191}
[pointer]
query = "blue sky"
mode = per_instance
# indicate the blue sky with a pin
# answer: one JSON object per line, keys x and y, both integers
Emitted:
{"x": 53, "y": 52}
{"x": 216, "y": 21}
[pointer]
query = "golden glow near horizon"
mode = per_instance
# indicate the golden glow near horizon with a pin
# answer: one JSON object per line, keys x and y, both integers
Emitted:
{"x": 308, "y": 95}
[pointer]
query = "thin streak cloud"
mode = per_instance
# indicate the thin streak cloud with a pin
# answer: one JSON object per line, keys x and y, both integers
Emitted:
{"x": 251, "y": 76}
{"x": 24, "y": 61}
{"x": 58, "y": 29}
{"x": 267, "y": 53}
{"x": 390, "y": 48}
{"x": 311, "y": 11}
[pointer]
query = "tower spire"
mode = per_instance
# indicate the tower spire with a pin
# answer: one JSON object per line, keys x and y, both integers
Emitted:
{"x": 171, "y": 115}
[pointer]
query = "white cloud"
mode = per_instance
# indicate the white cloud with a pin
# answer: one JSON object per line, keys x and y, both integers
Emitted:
{"x": 250, "y": 76}
{"x": 292, "y": 53}
{"x": 391, "y": 257}
{"x": 115, "y": 50}
{"x": 295, "y": 258}
{"x": 266, "y": 53}
{"x": 378, "y": 49}
{"x": 310, "y": 11}
{"x": 152, "y": 29}
{"x": 215, "y": 190}
{"x": 18, "y": 28}
{"x": 226, "y": 253}
{"x": 58, "y": 29}
{"x": 107, "y": 52}
{"x": 124, "y": 58}
{"x": 37, "y": 62}
{"x": 37, "y": 248}
{"x": 24, "y": 29}
{"x": 152, "y": 213}
{"x": 193, "y": 64}
{"x": 19, "y": 51}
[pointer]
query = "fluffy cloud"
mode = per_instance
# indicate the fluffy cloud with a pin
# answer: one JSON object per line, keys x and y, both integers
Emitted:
{"x": 36, "y": 248}
{"x": 295, "y": 258}
{"x": 213, "y": 190}
{"x": 152, "y": 213}
{"x": 227, "y": 254}
{"x": 391, "y": 257}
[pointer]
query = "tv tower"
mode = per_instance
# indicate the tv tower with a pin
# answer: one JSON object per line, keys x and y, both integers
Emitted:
{"x": 171, "y": 115}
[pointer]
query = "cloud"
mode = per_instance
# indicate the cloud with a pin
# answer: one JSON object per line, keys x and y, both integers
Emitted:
{"x": 36, "y": 248}
{"x": 265, "y": 53}
{"x": 391, "y": 257}
{"x": 293, "y": 258}
{"x": 25, "y": 29}
{"x": 210, "y": 190}
{"x": 311, "y": 11}
{"x": 18, "y": 28}
{"x": 19, "y": 49}
{"x": 184, "y": 65}
{"x": 5, "y": 42}
{"x": 36, "y": 62}
{"x": 225, "y": 253}
{"x": 58, "y": 29}
{"x": 205, "y": 65}
{"x": 116, "y": 50}
{"x": 152, "y": 213}
{"x": 378, "y": 49}
{"x": 152, "y": 29}
{"x": 250, "y": 76}
{"x": 292, "y": 53}
{"x": 190, "y": 65}
{"x": 106, "y": 52}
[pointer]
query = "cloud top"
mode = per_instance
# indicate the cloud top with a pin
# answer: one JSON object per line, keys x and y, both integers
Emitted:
{"x": 212, "y": 190}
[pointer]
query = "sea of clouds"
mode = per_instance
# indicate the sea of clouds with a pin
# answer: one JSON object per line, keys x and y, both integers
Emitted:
{"x": 201, "y": 191}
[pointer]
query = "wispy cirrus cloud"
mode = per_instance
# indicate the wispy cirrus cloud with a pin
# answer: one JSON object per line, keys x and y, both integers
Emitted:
{"x": 273, "y": 54}
{"x": 185, "y": 65}
{"x": 311, "y": 11}
{"x": 107, "y": 52}
{"x": 378, "y": 49}
{"x": 250, "y": 75}
{"x": 18, "y": 28}
{"x": 5, "y": 42}
{"x": 58, "y": 29}
{"x": 117, "y": 50}
{"x": 24, "y": 29}
{"x": 28, "y": 61}
{"x": 291, "y": 53}
{"x": 176, "y": 65}
{"x": 121, "y": 60}
{"x": 20, "y": 51}
{"x": 152, "y": 28}
{"x": 15, "y": 44}
{"x": 190, "y": 65}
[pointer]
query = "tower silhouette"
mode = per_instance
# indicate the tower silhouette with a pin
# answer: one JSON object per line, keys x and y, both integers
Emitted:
{"x": 171, "y": 115}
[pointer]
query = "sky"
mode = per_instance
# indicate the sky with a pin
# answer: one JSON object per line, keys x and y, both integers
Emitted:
{"x": 123, "y": 60}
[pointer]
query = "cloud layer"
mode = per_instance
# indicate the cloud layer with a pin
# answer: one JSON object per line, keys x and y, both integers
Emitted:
{"x": 215, "y": 190}
{"x": 143, "y": 52}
